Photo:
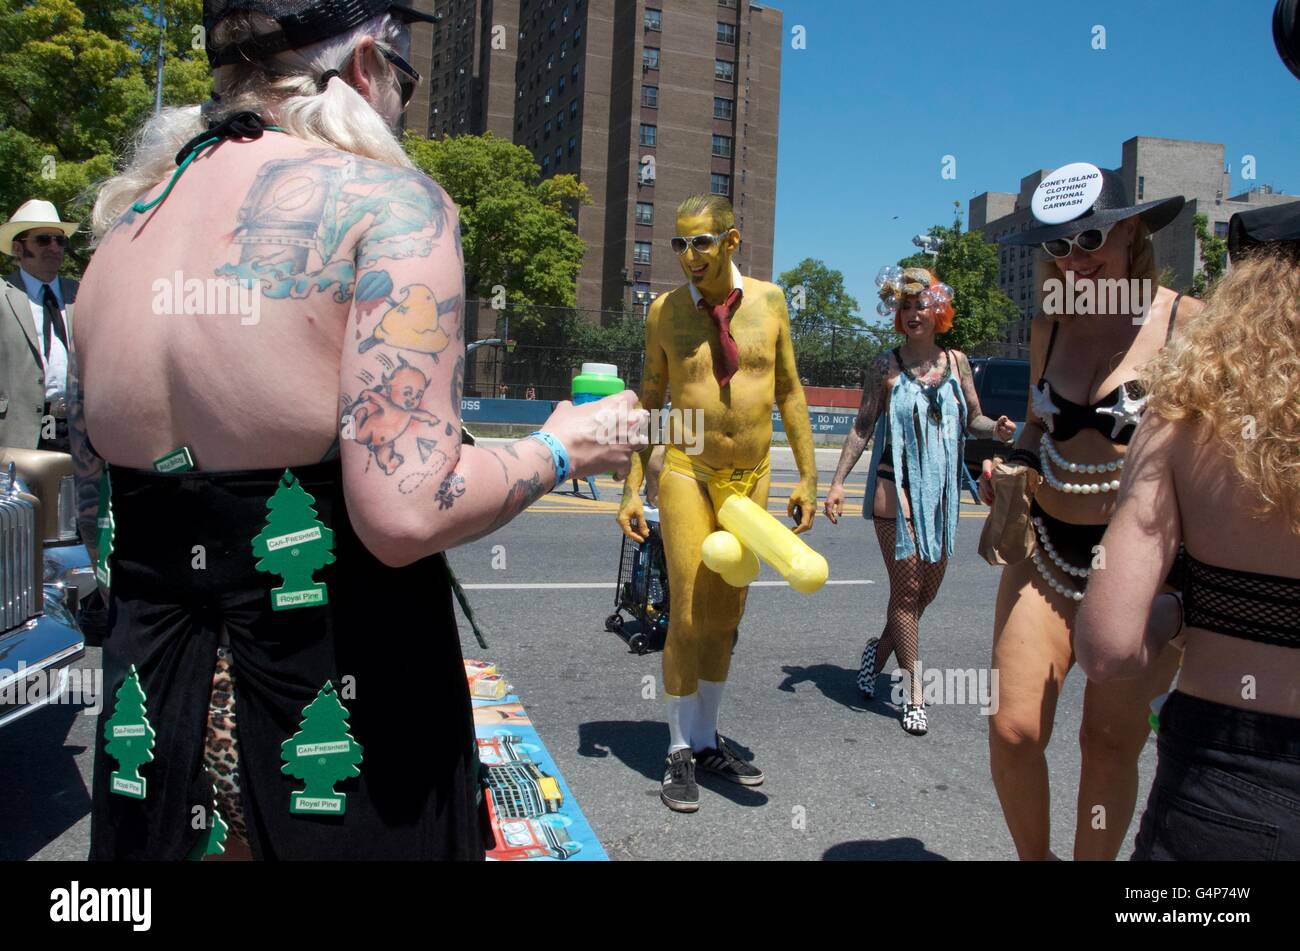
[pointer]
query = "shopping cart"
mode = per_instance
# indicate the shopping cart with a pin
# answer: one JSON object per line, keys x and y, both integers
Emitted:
{"x": 642, "y": 591}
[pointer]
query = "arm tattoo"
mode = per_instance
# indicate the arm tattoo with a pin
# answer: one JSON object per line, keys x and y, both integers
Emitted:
{"x": 873, "y": 388}
{"x": 452, "y": 488}
{"x": 88, "y": 467}
{"x": 977, "y": 424}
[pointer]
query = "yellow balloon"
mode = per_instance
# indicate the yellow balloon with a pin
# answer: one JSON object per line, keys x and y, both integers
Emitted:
{"x": 721, "y": 552}
{"x": 756, "y": 529}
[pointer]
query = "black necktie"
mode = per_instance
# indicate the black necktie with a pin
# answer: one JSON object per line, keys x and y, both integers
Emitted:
{"x": 53, "y": 318}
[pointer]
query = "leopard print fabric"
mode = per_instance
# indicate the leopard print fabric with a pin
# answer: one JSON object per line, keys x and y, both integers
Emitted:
{"x": 220, "y": 752}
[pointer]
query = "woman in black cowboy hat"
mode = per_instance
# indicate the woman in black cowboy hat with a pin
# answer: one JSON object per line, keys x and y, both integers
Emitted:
{"x": 1102, "y": 316}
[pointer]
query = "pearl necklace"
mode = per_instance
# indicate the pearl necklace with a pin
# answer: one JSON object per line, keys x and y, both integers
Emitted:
{"x": 1076, "y": 488}
{"x": 1046, "y": 544}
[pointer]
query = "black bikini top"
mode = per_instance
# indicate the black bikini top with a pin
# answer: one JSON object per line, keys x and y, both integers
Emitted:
{"x": 1115, "y": 415}
{"x": 1254, "y": 607}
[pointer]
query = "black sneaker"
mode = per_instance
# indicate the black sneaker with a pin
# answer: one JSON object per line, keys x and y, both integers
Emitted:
{"x": 679, "y": 791}
{"x": 722, "y": 761}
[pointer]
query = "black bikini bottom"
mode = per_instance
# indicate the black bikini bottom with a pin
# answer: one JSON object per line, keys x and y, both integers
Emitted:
{"x": 1074, "y": 543}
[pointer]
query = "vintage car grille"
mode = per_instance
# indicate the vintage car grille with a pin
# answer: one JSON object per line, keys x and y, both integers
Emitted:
{"x": 19, "y": 595}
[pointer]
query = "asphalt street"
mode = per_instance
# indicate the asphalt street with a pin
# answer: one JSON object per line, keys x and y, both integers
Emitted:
{"x": 843, "y": 780}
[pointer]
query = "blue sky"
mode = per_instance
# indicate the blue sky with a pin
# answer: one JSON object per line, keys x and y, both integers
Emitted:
{"x": 886, "y": 88}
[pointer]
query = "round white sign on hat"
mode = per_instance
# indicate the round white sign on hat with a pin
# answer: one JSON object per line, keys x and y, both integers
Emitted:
{"x": 1067, "y": 193}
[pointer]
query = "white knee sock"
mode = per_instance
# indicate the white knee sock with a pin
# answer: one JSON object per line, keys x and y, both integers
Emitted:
{"x": 705, "y": 727}
{"x": 682, "y": 712}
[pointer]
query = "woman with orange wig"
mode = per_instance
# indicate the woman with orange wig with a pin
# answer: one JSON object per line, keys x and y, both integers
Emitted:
{"x": 920, "y": 399}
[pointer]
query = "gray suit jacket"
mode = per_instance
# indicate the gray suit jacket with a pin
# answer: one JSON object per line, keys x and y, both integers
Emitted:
{"x": 22, "y": 371}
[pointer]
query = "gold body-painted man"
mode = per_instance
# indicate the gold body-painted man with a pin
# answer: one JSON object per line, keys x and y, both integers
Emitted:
{"x": 731, "y": 391}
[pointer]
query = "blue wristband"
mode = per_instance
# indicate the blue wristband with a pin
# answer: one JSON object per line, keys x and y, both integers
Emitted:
{"x": 558, "y": 454}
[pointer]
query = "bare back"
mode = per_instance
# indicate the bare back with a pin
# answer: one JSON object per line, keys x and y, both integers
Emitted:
{"x": 172, "y": 353}
{"x": 1220, "y": 526}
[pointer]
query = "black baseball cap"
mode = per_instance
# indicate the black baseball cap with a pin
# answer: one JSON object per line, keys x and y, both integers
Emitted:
{"x": 302, "y": 23}
{"x": 1271, "y": 229}
{"x": 1286, "y": 33}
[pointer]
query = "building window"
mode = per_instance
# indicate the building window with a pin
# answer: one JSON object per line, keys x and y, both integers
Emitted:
{"x": 645, "y": 213}
{"x": 573, "y": 145}
{"x": 650, "y": 58}
{"x": 577, "y": 37}
{"x": 1220, "y": 229}
{"x": 546, "y": 165}
{"x": 561, "y": 84}
{"x": 641, "y": 253}
{"x": 724, "y": 70}
{"x": 723, "y": 108}
{"x": 722, "y": 146}
{"x": 546, "y": 129}
{"x": 720, "y": 184}
{"x": 729, "y": 4}
{"x": 727, "y": 33}
{"x": 654, "y": 19}
{"x": 648, "y": 135}
{"x": 559, "y": 155}
{"x": 573, "y": 109}
{"x": 650, "y": 96}
{"x": 1142, "y": 186}
{"x": 574, "y": 72}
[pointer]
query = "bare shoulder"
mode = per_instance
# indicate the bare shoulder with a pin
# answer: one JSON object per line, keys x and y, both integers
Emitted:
{"x": 882, "y": 369}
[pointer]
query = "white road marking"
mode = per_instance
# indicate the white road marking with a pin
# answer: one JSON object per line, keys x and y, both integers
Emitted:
{"x": 571, "y": 585}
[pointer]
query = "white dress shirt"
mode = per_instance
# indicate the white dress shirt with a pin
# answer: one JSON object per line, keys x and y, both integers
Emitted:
{"x": 736, "y": 281}
{"x": 56, "y": 367}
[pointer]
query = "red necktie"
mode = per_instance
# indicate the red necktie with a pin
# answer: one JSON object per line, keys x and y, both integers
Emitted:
{"x": 727, "y": 362}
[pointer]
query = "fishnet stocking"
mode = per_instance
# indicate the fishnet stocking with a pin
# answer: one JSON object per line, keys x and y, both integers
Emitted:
{"x": 913, "y": 583}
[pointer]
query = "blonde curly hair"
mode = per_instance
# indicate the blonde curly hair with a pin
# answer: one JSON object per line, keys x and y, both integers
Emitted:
{"x": 1236, "y": 368}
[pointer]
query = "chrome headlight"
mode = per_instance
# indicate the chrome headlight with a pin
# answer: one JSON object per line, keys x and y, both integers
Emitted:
{"x": 67, "y": 527}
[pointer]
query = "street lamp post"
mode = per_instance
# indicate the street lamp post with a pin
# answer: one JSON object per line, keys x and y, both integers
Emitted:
{"x": 157, "y": 96}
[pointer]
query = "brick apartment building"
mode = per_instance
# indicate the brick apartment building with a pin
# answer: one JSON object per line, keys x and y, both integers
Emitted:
{"x": 1152, "y": 168}
{"x": 645, "y": 101}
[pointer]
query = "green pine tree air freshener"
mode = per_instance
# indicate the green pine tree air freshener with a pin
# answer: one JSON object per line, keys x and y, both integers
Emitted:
{"x": 212, "y": 841}
{"x": 105, "y": 522}
{"x": 321, "y": 754}
{"x": 293, "y": 545}
{"x": 130, "y": 738}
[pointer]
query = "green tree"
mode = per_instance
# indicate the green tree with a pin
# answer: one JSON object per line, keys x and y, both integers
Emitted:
{"x": 77, "y": 77}
{"x": 969, "y": 265}
{"x": 831, "y": 342}
{"x": 518, "y": 231}
{"x": 1214, "y": 251}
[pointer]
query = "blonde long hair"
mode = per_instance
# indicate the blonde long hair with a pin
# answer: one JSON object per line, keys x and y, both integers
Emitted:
{"x": 283, "y": 89}
{"x": 1235, "y": 367}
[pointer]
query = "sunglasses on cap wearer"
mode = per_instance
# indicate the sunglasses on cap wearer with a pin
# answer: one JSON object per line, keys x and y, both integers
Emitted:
{"x": 45, "y": 240}
{"x": 703, "y": 243}
{"x": 407, "y": 77}
{"x": 1090, "y": 240}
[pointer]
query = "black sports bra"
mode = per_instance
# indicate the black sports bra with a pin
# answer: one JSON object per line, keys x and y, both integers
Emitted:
{"x": 1115, "y": 415}
{"x": 1255, "y": 607}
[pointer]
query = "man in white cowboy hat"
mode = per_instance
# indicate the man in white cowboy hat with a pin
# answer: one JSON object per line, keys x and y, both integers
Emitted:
{"x": 35, "y": 329}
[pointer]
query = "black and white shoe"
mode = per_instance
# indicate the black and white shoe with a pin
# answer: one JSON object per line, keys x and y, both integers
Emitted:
{"x": 679, "y": 791}
{"x": 867, "y": 669}
{"x": 914, "y": 720}
{"x": 721, "y": 760}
